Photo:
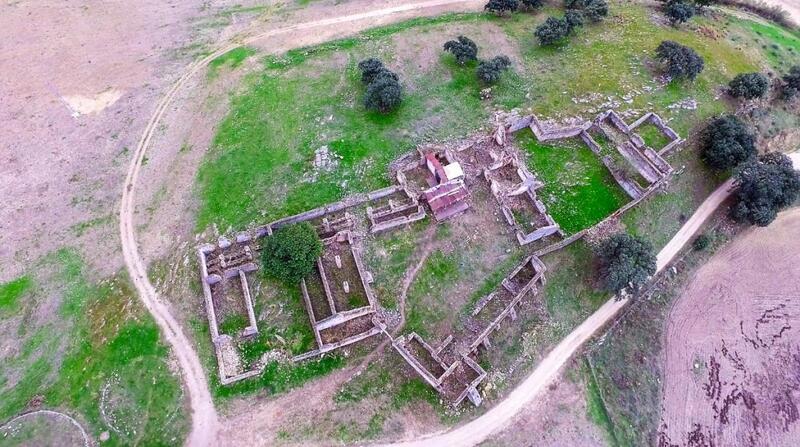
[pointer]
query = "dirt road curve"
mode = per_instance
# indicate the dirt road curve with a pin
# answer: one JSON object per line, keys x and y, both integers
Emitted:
{"x": 548, "y": 370}
{"x": 204, "y": 416}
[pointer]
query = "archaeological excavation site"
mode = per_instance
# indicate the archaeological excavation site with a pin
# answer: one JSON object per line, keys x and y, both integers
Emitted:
{"x": 480, "y": 183}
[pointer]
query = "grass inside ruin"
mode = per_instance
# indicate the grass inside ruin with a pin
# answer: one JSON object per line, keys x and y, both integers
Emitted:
{"x": 578, "y": 190}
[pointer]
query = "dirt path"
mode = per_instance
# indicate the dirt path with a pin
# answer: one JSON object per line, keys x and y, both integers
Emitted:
{"x": 478, "y": 430}
{"x": 204, "y": 416}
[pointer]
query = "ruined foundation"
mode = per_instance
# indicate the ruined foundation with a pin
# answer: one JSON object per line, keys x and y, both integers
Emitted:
{"x": 338, "y": 296}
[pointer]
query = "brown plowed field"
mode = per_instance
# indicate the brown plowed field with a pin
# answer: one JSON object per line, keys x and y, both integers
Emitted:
{"x": 732, "y": 358}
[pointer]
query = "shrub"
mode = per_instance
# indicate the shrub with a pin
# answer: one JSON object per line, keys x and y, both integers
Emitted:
{"x": 766, "y": 185}
{"x": 552, "y": 30}
{"x": 625, "y": 262}
{"x": 464, "y": 49}
{"x": 574, "y": 19}
{"x": 701, "y": 242}
{"x": 502, "y": 7}
{"x": 291, "y": 252}
{"x": 749, "y": 85}
{"x": 678, "y": 12}
{"x": 680, "y": 61}
{"x": 791, "y": 82}
{"x": 593, "y": 10}
{"x": 490, "y": 71}
{"x": 384, "y": 94}
{"x": 369, "y": 69}
{"x": 726, "y": 143}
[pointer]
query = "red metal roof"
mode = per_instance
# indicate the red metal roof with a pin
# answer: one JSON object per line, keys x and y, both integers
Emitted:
{"x": 447, "y": 199}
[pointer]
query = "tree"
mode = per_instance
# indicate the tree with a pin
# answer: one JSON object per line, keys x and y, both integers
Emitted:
{"x": 490, "y": 71}
{"x": 791, "y": 82}
{"x": 464, "y": 49}
{"x": 766, "y": 185}
{"x": 291, "y": 252}
{"x": 625, "y": 262}
{"x": 574, "y": 19}
{"x": 749, "y": 86}
{"x": 532, "y": 4}
{"x": 727, "y": 142}
{"x": 680, "y": 61}
{"x": 593, "y": 10}
{"x": 384, "y": 94}
{"x": 369, "y": 69}
{"x": 502, "y": 7}
{"x": 678, "y": 12}
{"x": 552, "y": 30}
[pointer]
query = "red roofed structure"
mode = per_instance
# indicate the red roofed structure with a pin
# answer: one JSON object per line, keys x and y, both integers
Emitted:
{"x": 447, "y": 199}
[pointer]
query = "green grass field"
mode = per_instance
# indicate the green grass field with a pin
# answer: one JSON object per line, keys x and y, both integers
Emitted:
{"x": 97, "y": 356}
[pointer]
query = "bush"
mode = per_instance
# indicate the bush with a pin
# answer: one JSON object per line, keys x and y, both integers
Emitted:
{"x": 770, "y": 12}
{"x": 726, "y": 143}
{"x": 383, "y": 95}
{"x": 502, "y": 7}
{"x": 574, "y": 19}
{"x": 766, "y": 185}
{"x": 701, "y": 242}
{"x": 490, "y": 71}
{"x": 370, "y": 69}
{"x": 678, "y": 12}
{"x": 464, "y": 49}
{"x": 552, "y": 31}
{"x": 680, "y": 61}
{"x": 291, "y": 252}
{"x": 703, "y": 3}
{"x": 749, "y": 86}
{"x": 384, "y": 92}
{"x": 625, "y": 262}
{"x": 791, "y": 82}
{"x": 593, "y": 10}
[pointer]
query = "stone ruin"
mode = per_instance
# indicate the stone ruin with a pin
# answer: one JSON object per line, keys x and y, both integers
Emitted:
{"x": 450, "y": 368}
{"x": 222, "y": 266}
{"x": 515, "y": 187}
{"x": 397, "y": 209}
{"x": 645, "y": 161}
{"x": 437, "y": 179}
{"x": 338, "y": 297}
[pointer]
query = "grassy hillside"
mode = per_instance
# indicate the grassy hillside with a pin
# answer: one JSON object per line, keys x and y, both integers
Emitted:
{"x": 90, "y": 350}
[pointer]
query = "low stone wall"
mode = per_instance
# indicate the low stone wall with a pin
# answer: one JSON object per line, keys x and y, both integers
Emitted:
{"x": 394, "y": 214}
{"x": 227, "y": 268}
{"x": 339, "y": 317}
{"x": 461, "y": 364}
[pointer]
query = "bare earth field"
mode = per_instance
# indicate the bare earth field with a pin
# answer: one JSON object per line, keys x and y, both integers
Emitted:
{"x": 732, "y": 358}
